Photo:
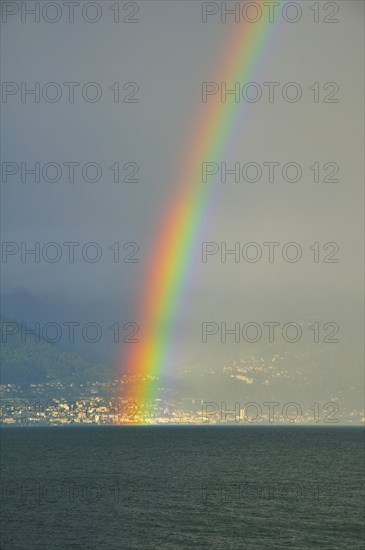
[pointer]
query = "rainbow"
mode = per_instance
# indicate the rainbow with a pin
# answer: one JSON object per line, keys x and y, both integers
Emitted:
{"x": 177, "y": 238}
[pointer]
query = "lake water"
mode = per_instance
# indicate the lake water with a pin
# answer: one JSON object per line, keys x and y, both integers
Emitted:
{"x": 182, "y": 487}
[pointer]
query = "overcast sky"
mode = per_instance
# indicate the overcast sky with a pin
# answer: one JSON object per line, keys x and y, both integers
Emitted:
{"x": 169, "y": 53}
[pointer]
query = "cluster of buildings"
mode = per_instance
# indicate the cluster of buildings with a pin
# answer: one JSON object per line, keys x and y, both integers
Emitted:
{"x": 98, "y": 410}
{"x": 98, "y": 402}
{"x": 95, "y": 404}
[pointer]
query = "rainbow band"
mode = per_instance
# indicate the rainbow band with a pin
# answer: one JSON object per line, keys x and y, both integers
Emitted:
{"x": 170, "y": 262}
